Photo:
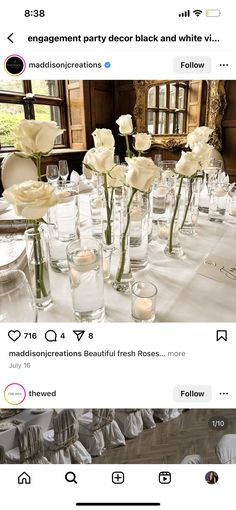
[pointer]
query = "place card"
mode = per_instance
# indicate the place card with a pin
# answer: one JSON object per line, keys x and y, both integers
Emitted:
{"x": 219, "y": 268}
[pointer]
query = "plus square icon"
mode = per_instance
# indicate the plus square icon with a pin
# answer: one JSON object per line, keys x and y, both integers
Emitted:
{"x": 118, "y": 477}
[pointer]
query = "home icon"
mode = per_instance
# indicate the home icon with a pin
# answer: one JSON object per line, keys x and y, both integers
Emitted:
{"x": 24, "y": 478}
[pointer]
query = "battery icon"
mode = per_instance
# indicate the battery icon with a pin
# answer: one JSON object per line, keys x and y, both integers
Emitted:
{"x": 213, "y": 13}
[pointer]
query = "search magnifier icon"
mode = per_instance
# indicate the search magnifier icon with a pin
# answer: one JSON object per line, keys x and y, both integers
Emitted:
{"x": 70, "y": 477}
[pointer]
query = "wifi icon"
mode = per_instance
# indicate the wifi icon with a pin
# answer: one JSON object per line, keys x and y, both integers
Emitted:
{"x": 197, "y": 12}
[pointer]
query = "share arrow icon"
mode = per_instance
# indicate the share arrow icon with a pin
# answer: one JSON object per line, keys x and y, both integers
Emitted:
{"x": 78, "y": 333}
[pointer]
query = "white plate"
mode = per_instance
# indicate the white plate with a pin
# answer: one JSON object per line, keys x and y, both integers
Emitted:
{"x": 16, "y": 170}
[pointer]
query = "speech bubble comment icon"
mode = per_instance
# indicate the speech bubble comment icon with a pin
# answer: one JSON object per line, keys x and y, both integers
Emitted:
{"x": 51, "y": 335}
{"x": 14, "y": 394}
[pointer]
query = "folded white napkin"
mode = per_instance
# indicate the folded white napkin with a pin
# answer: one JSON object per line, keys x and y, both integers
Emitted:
{"x": 81, "y": 181}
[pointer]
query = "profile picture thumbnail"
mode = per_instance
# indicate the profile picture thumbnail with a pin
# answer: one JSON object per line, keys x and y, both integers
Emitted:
{"x": 211, "y": 477}
{"x": 15, "y": 65}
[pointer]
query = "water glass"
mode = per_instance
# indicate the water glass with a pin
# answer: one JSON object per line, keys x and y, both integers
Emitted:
{"x": 52, "y": 174}
{"x": 143, "y": 305}
{"x": 86, "y": 278}
{"x": 16, "y": 298}
{"x": 217, "y": 205}
{"x": 63, "y": 225}
{"x": 63, "y": 170}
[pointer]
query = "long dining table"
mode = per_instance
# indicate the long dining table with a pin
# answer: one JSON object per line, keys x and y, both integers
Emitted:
{"x": 184, "y": 295}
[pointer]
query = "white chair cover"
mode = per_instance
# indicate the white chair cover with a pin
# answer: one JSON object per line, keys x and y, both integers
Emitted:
{"x": 31, "y": 447}
{"x": 166, "y": 414}
{"x": 226, "y": 449}
{"x": 147, "y": 417}
{"x": 130, "y": 422}
{"x": 192, "y": 459}
{"x": 61, "y": 443}
{"x": 90, "y": 436}
{"x": 104, "y": 419}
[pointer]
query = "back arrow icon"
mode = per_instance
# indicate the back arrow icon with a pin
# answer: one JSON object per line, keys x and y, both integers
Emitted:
{"x": 9, "y": 38}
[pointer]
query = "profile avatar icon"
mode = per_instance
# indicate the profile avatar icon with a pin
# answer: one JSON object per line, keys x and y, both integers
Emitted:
{"x": 15, "y": 65}
{"x": 211, "y": 477}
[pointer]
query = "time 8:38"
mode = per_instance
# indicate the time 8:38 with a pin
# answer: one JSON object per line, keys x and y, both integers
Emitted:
{"x": 35, "y": 13}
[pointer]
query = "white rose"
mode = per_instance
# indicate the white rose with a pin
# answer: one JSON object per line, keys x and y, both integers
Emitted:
{"x": 142, "y": 142}
{"x": 202, "y": 152}
{"x": 200, "y": 134}
{"x": 125, "y": 124}
{"x": 35, "y": 136}
{"x": 31, "y": 199}
{"x": 116, "y": 177}
{"x": 87, "y": 162}
{"x": 103, "y": 138}
{"x": 187, "y": 165}
{"x": 141, "y": 173}
{"x": 101, "y": 160}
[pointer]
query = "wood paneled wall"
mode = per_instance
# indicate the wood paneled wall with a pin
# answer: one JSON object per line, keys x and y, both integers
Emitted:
{"x": 229, "y": 130}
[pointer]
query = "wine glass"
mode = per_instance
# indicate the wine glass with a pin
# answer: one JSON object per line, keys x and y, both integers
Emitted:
{"x": 157, "y": 159}
{"x": 63, "y": 170}
{"x": 116, "y": 159}
{"x": 52, "y": 174}
{"x": 16, "y": 298}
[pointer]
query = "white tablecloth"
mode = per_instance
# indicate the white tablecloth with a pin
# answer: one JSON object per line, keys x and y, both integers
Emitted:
{"x": 183, "y": 295}
{"x": 8, "y": 438}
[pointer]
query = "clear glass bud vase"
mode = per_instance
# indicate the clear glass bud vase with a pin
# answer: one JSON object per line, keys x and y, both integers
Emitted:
{"x": 123, "y": 276}
{"x": 139, "y": 222}
{"x": 189, "y": 214}
{"x": 37, "y": 257}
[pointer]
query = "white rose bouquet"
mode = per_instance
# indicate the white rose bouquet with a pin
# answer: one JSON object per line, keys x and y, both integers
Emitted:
{"x": 140, "y": 176}
{"x": 31, "y": 200}
{"x": 36, "y": 138}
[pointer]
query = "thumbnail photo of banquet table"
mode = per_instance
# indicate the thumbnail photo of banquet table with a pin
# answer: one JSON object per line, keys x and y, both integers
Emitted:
{"x": 118, "y": 201}
{"x": 118, "y": 436}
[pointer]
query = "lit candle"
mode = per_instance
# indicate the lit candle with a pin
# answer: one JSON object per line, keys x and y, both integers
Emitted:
{"x": 97, "y": 203}
{"x": 210, "y": 170}
{"x": 194, "y": 219}
{"x": 161, "y": 191}
{"x": 167, "y": 174}
{"x": 136, "y": 214}
{"x": 220, "y": 192}
{"x": 143, "y": 309}
{"x": 85, "y": 260}
{"x": 163, "y": 232}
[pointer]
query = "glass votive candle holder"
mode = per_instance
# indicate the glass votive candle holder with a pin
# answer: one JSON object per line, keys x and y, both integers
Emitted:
{"x": 143, "y": 304}
{"x": 163, "y": 227}
{"x": 86, "y": 278}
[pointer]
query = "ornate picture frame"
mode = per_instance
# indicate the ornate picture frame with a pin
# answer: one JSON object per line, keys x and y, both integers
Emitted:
{"x": 215, "y": 107}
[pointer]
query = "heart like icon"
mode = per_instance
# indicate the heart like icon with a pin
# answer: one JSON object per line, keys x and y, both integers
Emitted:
{"x": 14, "y": 335}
